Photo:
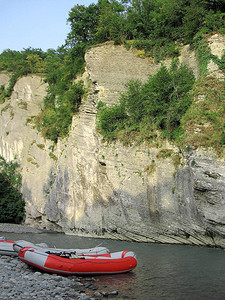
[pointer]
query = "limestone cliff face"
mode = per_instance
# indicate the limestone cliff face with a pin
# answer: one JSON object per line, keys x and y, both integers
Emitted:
{"x": 88, "y": 187}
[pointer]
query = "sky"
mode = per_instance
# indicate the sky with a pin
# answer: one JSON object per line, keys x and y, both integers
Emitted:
{"x": 35, "y": 23}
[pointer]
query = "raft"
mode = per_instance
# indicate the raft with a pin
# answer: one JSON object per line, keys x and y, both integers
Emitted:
{"x": 111, "y": 263}
{"x": 6, "y": 247}
{"x": 18, "y": 245}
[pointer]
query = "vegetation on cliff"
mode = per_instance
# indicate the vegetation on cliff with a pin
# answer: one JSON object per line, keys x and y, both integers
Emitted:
{"x": 64, "y": 94}
{"x": 154, "y": 26}
{"x": 158, "y": 104}
{"x": 196, "y": 118}
{"x": 157, "y": 28}
{"x": 12, "y": 205}
{"x": 59, "y": 69}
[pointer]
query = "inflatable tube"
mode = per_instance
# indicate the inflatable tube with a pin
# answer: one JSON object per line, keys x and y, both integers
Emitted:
{"x": 6, "y": 247}
{"x": 18, "y": 245}
{"x": 111, "y": 263}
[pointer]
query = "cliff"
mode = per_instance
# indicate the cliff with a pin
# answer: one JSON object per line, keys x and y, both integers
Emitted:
{"x": 88, "y": 187}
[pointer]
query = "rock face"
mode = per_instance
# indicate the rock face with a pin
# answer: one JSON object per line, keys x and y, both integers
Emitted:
{"x": 91, "y": 188}
{"x": 217, "y": 46}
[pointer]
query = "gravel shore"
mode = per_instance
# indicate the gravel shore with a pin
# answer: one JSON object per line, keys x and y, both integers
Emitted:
{"x": 20, "y": 281}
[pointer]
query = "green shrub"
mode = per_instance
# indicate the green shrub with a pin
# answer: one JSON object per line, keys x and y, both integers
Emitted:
{"x": 12, "y": 206}
{"x": 133, "y": 102}
{"x": 55, "y": 120}
{"x": 214, "y": 21}
{"x": 110, "y": 119}
{"x": 167, "y": 97}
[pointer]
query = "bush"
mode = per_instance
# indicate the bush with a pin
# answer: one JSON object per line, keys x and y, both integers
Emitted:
{"x": 55, "y": 120}
{"x": 214, "y": 21}
{"x": 110, "y": 119}
{"x": 12, "y": 205}
{"x": 133, "y": 101}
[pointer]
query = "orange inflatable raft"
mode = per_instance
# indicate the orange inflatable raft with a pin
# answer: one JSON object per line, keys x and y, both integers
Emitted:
{"x": 111, "y": 263}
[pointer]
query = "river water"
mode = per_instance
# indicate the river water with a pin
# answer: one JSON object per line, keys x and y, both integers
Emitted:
{"x": 163, "y": 271}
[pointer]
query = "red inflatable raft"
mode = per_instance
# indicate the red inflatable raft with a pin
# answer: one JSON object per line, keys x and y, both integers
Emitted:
{"x": 111, "y": 263}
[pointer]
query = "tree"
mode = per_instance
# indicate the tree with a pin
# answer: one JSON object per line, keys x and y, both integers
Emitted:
{"x": 83, "y": 22}
{"x": 111, "y": 119}
{"x": 139, "y": 21}
{"x": 133, "y": 101}
{"x": 35, "y": 63}
{"x": 193, "y": 20}
{"x": 11, "y": 201}
{"x": 111, "y": 22}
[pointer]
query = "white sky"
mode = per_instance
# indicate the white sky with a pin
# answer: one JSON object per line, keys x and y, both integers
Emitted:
{"x": 35, "y": 23}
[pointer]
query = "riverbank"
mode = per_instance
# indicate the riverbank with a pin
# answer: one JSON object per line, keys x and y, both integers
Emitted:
{"x": 18, "y": 228}
{"x": 20, "y": 281}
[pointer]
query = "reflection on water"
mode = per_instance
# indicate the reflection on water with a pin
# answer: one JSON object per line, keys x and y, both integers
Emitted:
{"x": 163, "y": 271}
{"x": 123, "y": 283}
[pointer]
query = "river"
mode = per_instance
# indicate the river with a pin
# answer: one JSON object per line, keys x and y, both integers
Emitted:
{"x": 163, "y": 271}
